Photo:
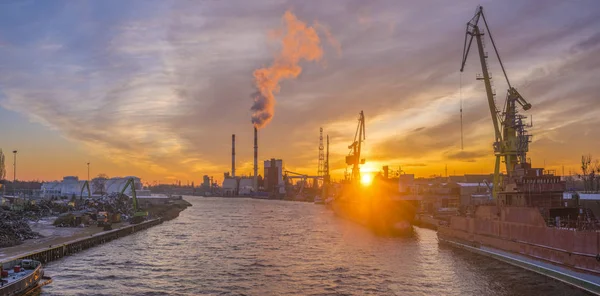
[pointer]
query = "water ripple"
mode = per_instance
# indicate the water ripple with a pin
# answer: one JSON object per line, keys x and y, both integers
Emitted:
{"x": 258, "y": 247}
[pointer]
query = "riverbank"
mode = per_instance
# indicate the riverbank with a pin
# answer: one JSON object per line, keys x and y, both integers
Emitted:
{"x": 55, "y": 252}
{"x": 53, "y": 237}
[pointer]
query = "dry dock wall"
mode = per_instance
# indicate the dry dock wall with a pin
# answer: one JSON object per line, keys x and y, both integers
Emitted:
{"x": 52, "y": 253}
{"x": 586, "y": 282}
{"x": 576, "y": 249}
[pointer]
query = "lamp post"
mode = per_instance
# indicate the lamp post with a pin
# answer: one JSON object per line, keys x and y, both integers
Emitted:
{"x": 15, "y": 173}
{"x": 88, "y": 164}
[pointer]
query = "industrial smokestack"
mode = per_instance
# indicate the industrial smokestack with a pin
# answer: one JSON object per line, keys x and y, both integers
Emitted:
{"x": 233, "y": 155}
{"x": 255, "y": 159}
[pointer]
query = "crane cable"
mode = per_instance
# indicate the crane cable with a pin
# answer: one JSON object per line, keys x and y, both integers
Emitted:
{"x": 461, "y": 114}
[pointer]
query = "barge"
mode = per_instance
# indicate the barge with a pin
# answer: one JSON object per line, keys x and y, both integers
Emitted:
{"x": 528, "y": 222}
{"x": 21, "y": 276}
{"x": 531, "y": 225}
{"x": 377, "y": 207}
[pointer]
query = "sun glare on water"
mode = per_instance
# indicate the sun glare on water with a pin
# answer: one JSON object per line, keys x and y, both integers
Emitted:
{"x": 366, "y": 179}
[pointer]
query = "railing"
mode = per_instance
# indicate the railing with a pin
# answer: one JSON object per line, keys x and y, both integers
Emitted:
{"x": 574, "y": 224}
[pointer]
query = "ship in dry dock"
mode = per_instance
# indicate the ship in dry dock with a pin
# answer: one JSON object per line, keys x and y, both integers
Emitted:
{"x": 529, "y": 221}
{"x": 376, "y": 203}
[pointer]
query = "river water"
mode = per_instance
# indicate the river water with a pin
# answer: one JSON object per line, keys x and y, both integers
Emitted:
{"x": 259, "y": 247}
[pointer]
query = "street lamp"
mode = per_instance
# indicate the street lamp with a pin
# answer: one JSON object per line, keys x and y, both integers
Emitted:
{"x": 15, "y": 173}
{"x": 88, "y": 164}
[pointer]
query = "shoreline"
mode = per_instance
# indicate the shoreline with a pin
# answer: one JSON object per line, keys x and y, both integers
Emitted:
{"x": 53, "y": 240}
{"x": 51, "y": 253}
{"x": 46, "y": 250}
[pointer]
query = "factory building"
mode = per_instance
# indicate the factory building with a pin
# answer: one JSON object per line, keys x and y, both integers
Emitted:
{"x": 116, "y": 184}
{"x": 273, "y": 181}
{"x": 50, "y": 189}
{"x": 230, "y": 185}
{"x": 72, "y": 186}
{"x": 238, "y": 186}
{"x": 69, "y": 186}
{"x": 246, "y": 186}
{"x": 206, "y": 186}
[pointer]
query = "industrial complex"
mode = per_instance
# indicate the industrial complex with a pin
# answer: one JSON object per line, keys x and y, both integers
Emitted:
{"x": 521, "y": 214}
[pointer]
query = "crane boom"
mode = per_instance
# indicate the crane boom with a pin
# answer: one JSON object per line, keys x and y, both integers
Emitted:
{"x": 511, "y": 138}
{"x": 86, "y": 185}
{"x": 473, "y": 31}
{"x": 138, "y": 215}
{"x": 129, "y": 182}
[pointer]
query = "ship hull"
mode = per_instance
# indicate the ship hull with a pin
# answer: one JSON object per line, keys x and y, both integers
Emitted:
{"x": 386, "y": 217}
{"x": 520, "y": 237}
{"x": 24, "y": 284}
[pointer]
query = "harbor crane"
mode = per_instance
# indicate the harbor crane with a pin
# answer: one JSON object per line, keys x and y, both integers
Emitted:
{"x": 138, "y": 214}
{"x": 353, "y": 157}
{"x": 303, "y": 178}
{"x": 86, "y": 185}
{"x": 511, "y": 139}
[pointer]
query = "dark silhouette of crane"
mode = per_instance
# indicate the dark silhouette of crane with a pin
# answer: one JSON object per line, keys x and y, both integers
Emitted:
{"x": 353, "y": 157}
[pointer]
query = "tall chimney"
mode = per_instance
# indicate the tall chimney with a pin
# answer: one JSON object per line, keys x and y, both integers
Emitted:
{"x": 233, "y": 155}
{"x": 255, "y": 160}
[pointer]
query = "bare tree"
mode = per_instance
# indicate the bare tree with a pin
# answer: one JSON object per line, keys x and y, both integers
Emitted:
{"x": 2, "y": 170}
{"x": 585, "y": 164}
{"x": 596, "y": 176}
{"x": 2, "y": 166}
{"x": 590, "y": 173}
{"x": 98, "y": 184}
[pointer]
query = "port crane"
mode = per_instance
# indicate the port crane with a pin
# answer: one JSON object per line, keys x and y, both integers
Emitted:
{"x": 86, "y": 185}
{"x": 511, "y": 138}
{"x": 303, "y": 178}
{"x": 138, "y": 215}
{"x": 353, "y": 157}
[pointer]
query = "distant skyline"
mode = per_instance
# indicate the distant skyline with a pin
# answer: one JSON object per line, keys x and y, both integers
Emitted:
{"x": 156, "y": 88}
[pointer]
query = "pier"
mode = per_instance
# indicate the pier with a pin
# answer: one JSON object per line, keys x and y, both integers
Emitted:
{"x": 56, "y": 252}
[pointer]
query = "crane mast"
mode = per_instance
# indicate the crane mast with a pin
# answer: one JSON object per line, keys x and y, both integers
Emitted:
{"x": 511, "y": 138}
{"x": 353, "y": 158}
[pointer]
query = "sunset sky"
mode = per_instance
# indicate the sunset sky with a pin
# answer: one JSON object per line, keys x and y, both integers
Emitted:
{"x": 156, "y": 88}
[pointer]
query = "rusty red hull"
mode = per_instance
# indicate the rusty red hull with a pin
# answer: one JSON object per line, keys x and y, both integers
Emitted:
{"x": 523, "y": 231}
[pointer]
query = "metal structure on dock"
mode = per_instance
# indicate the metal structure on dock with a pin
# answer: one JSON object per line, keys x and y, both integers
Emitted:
{"x": 353, "y": 157}
{"x": 321, "y": 169}
{"x": 511, "y": 138}
{"x": 530, "y": 223}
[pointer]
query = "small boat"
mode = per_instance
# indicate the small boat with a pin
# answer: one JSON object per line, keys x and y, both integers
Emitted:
{"x": 21, "y": 276}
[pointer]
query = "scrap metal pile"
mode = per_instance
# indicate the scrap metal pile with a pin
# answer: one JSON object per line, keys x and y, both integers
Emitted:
{"x": 14, "y": 229}
{"x": 113, "y": 203}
